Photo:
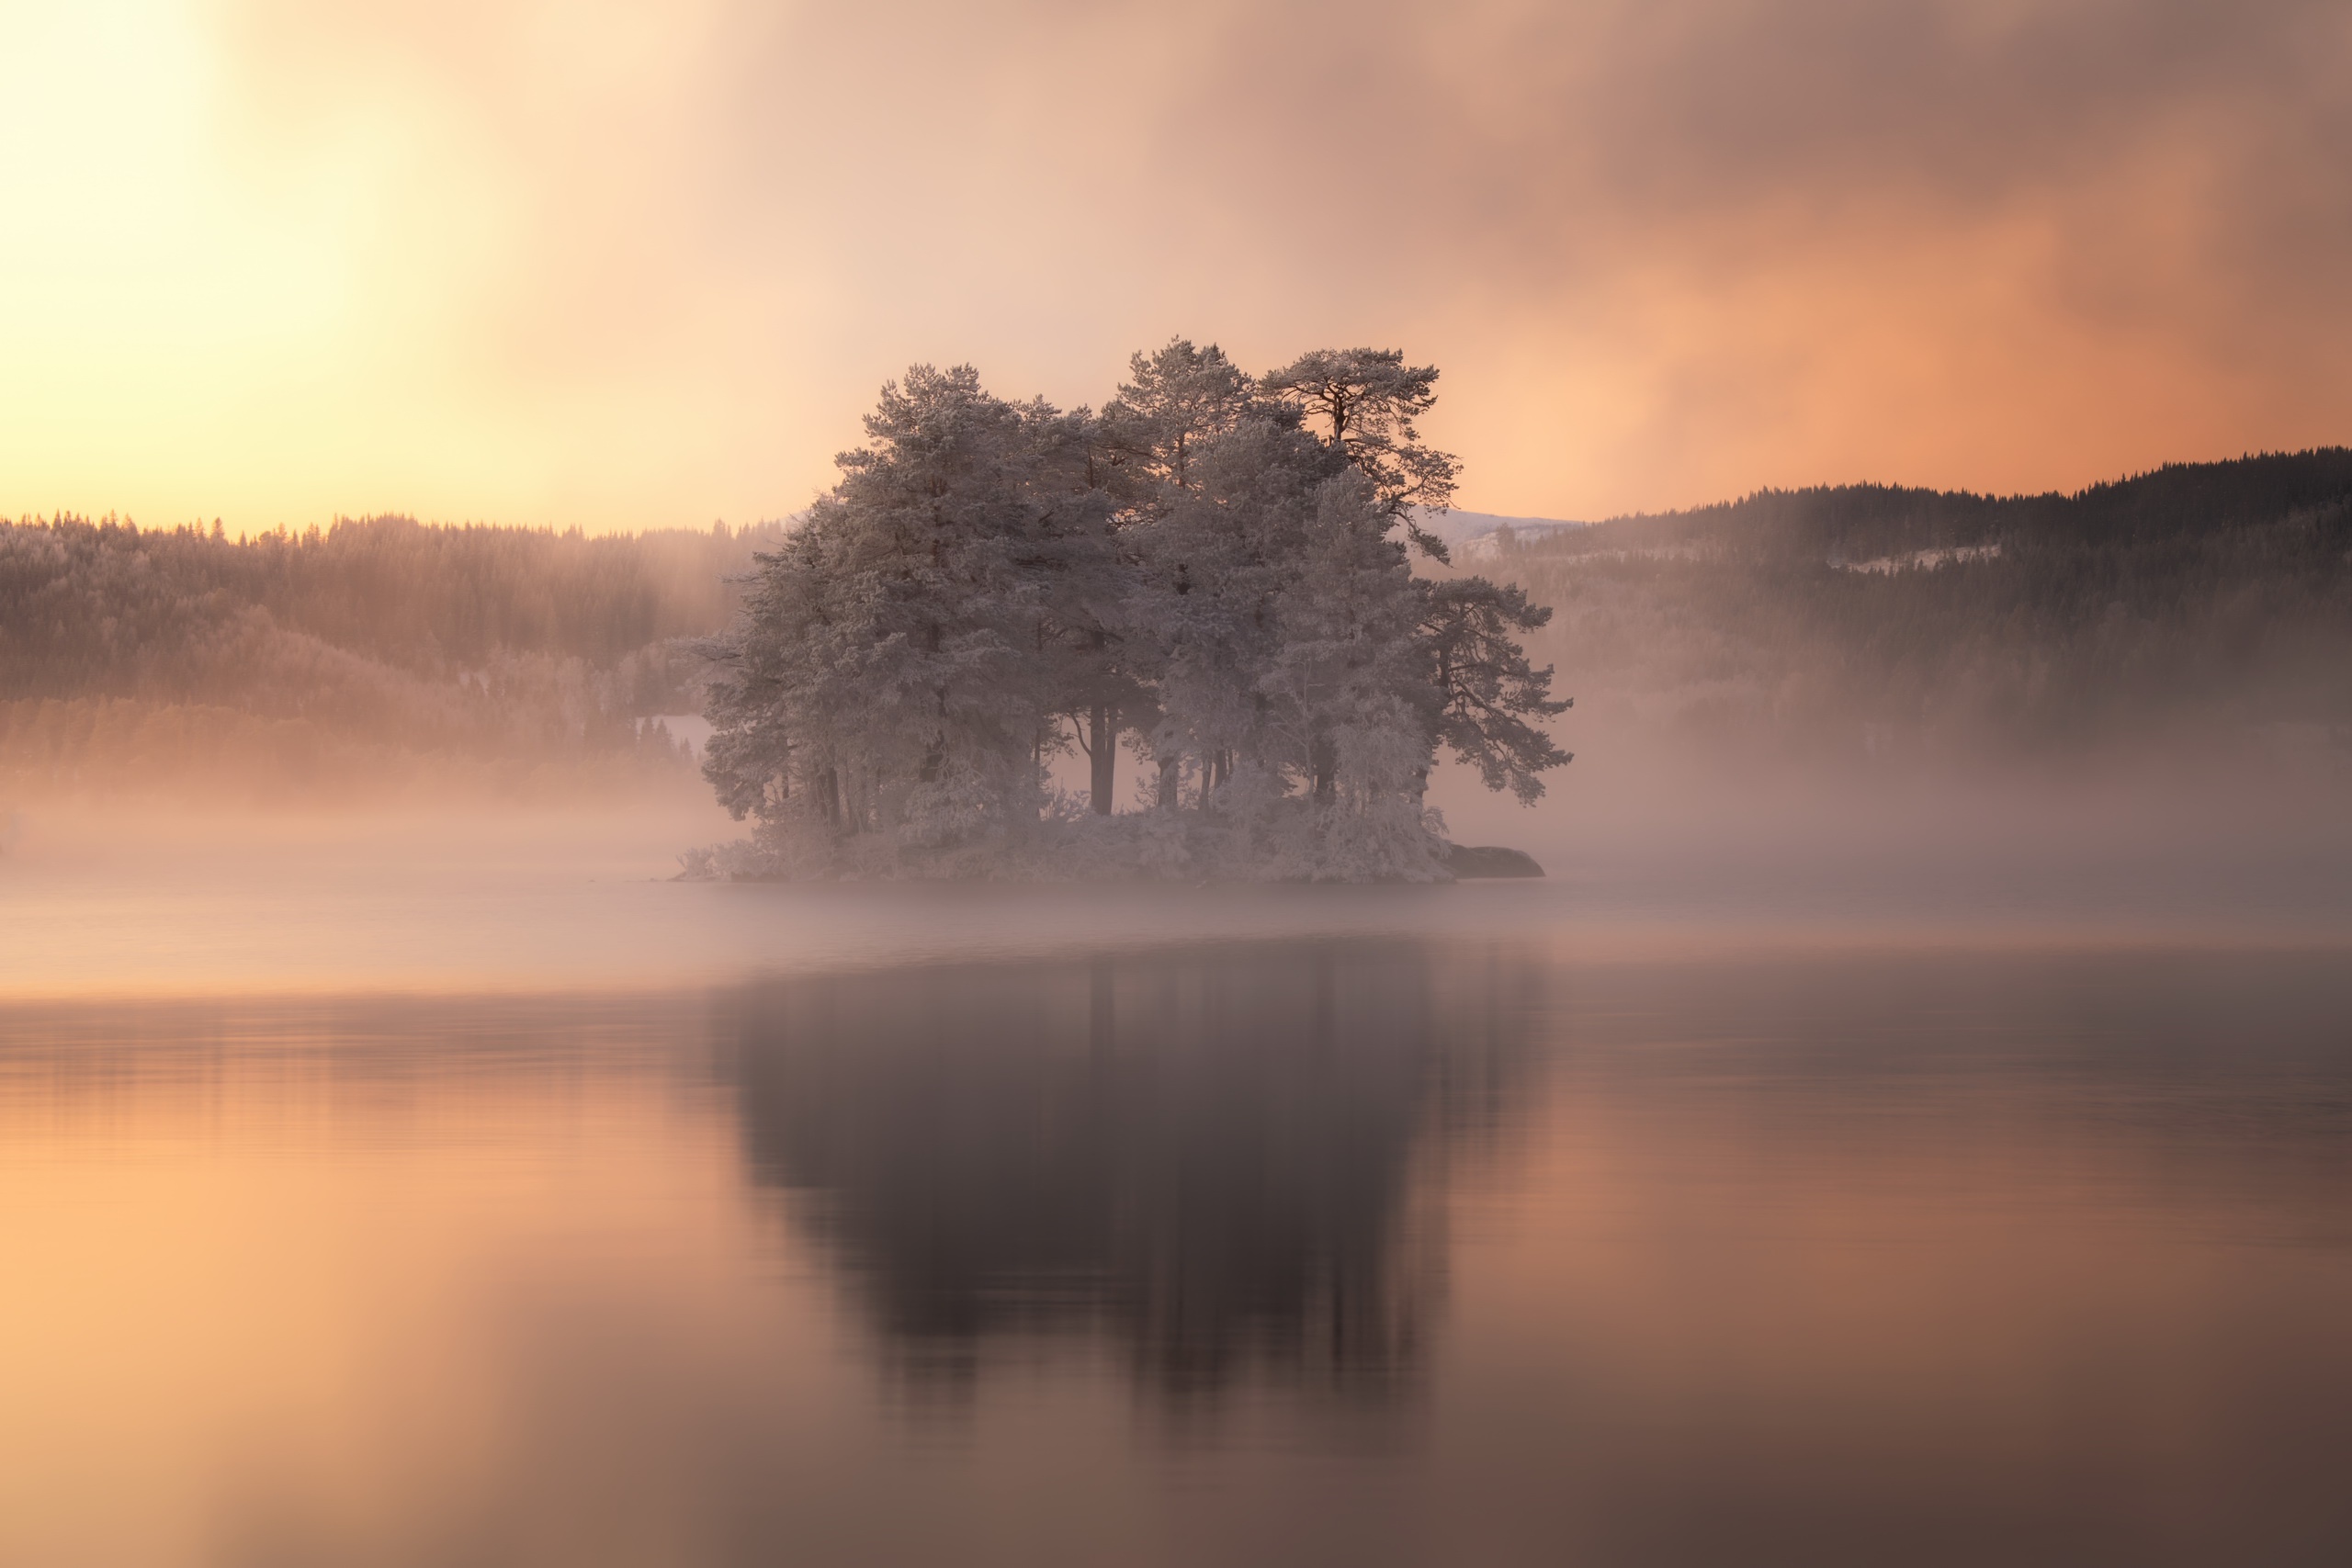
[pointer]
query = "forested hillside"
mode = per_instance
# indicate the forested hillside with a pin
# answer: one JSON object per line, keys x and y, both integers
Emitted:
{"x": 374, "y": 653}
{"x": 2203, "y": 605}
{"x": 2204, "y": 611}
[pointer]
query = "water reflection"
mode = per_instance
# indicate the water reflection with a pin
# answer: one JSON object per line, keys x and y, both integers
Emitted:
{"x": 1427, "y": 1253}
{"x": 1228, "y": 1161}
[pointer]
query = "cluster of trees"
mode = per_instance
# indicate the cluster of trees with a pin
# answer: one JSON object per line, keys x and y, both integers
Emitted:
{"x": 2195, "y": 613}
{"x": 1213, "y": 574}
{"x": 376, "y": 651}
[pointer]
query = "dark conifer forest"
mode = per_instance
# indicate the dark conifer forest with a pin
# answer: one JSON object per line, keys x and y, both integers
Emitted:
{"x": 2205, "y": 605}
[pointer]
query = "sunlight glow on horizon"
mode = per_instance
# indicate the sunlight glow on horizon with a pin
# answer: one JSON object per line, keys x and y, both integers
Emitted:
{"x": 615, "y": 264}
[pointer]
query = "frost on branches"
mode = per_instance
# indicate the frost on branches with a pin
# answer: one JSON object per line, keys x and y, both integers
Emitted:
{"x": 1210, "y": 576}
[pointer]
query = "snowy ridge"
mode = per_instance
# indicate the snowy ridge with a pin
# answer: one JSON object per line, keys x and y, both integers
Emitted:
{"x": 1479, "y": 535}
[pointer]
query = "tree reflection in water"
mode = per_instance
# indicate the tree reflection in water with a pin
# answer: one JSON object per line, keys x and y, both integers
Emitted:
{"x": 1228, "y": 1161}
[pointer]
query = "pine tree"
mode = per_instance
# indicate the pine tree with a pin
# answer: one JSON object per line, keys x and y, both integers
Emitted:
{"x": 1363, "y": 401}
{"x": 1175, "y": 402}
{"x": 1490, "y": 697}
{"x": 902, "y": 659}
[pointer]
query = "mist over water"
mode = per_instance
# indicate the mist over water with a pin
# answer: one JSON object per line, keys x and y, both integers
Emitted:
{"x": 1871, "y": 1142}
{"x": 1808, "y": 1171}
{"x": 140, "y": 902}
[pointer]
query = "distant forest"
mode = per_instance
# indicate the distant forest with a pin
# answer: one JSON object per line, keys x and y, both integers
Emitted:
{"x": 375, "y": 654}
{"x": 2204, "y": 605}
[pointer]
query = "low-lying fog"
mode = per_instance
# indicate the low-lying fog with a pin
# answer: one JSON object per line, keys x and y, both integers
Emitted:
{"x": 1907, "y": 1123}
{"x": 398, "y": 755}
{"x": 1647, "y": 852}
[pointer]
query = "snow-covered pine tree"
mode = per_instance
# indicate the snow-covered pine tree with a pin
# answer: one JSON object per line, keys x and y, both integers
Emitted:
{"x": 1363, "y": 402}
{"x": 1217, "y": 560}
{"x": 1352, "y": 698}
{"x": 1291, "y": 684}
{"x": 1175, "y": 400}
{"x": 1491, "y": 701}
{"x": 897, "y": 672}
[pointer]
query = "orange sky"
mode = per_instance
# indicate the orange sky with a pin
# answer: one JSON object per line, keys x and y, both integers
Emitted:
{"x": 633, "y": 262}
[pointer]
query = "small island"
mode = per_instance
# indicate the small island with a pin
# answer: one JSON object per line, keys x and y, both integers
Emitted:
{"x": 1214, "y": 575}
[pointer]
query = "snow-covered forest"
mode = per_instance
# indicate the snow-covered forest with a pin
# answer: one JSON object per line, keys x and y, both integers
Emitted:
{"x": 1205, "y": 591}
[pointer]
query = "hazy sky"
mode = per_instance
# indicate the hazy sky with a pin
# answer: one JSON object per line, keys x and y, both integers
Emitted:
{"x": 625, "y": 264}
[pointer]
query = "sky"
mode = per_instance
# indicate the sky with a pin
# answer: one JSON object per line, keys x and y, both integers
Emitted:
{"x": 620, "y": 264}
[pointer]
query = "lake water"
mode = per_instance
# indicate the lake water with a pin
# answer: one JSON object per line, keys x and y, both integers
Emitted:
{"x": 1369, "y": 1230}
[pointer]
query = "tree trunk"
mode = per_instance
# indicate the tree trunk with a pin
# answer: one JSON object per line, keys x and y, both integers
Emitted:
{"x": 1103, "y": 751}
{"x": 1168, "y": 777}
{"x": 1324, "y": 757}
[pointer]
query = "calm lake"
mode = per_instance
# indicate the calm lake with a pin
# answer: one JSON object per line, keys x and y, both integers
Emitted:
{"x": 1485, "y": 1244}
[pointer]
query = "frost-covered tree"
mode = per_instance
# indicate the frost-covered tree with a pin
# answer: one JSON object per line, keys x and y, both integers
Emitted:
{"x": 1363, "y": 401}
{"x": 1350, "y": 701}
{"x": 1490, "y": 697}
{"x": 901, "y": 660}
{"x": 1174, "y": 401}
{"x": 1219, "y": 567}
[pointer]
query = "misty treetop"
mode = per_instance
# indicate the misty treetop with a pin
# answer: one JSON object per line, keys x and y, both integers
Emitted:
{"x": 1212, "y": 576}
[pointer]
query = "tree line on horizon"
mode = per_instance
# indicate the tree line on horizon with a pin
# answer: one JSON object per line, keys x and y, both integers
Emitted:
{"x": 2198, "y": 616}
{"x": 1213, "y": 575}
{"x": 375, "y": 653}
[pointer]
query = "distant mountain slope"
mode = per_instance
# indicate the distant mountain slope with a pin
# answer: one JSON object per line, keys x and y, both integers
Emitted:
{"x": 1863, "y": 522}
{"x": 1480, "y": 534}
{"x": 2208, "y": 600}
